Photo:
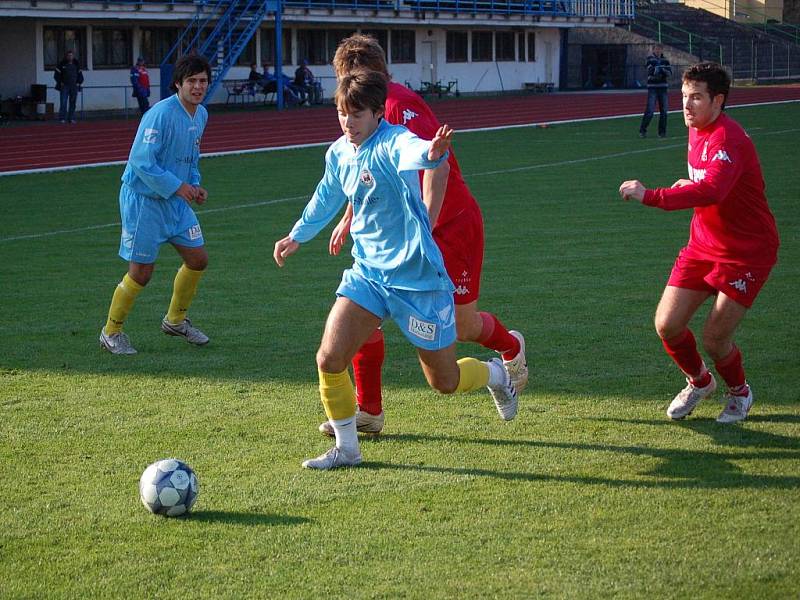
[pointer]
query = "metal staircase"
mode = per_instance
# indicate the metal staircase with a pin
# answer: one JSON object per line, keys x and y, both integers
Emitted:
{"x": 234, "y": 23}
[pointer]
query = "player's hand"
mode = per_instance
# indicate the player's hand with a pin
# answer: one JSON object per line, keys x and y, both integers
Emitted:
{"x": 440, "y": 142}
{"x": 632, "y": 190}
{"x": 187, "y": 192}
{"x": 682, "y": 183}
{"x": 339, "y": 236}
{"x": 284, "y": 248}
{"x": 202, "y": 195}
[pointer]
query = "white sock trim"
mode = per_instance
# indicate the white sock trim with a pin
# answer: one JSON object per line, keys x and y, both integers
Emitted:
{"x": 346, "y": 434}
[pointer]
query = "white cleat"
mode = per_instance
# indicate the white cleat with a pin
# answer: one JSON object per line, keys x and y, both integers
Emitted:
{"x": 684, "y": 403}
{"x": 116, "y": 343}
{"x": 365, "y": 423}
{"x": 736, "y": 407}
{"x": 332, "y": 459}
{"x": 504, "y": 394}
{"x": 517, "y": 367}
{"x": 186, "y": 330}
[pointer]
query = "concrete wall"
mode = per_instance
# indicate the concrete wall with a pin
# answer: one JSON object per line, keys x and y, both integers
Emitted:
{"x": 18, "y": 49}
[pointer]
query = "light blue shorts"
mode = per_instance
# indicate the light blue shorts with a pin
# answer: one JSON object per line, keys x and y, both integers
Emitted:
{"x": 149, "y": 222}
{"x": 427, "y": 319}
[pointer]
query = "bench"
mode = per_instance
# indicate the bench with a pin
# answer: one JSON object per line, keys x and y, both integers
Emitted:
{"x": 538, "y": 88}
{"x": 239, "y": 89}
{"x": 439, "y": 88}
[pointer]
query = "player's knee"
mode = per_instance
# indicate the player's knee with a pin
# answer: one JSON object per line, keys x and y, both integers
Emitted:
{"x": 444, "y": 384}
{"x": 197, "y": 263}
{"x": 330, "y": 363}
{"x": 667, "y": 329}
{"x": 141, "y": 273}
{"x": 716, "y": 345}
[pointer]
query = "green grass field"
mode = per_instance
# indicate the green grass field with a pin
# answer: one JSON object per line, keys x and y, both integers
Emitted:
{"x": 591, "y": 492}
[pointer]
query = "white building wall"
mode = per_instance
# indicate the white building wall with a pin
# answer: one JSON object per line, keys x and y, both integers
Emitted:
{"x": 18, "y": 49}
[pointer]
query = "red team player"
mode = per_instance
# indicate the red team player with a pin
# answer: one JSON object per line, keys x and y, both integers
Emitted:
{"x": 457, "y": 230}
{"x": 733, "y": 244}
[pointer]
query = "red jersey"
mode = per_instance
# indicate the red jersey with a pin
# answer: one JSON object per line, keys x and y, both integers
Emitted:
{"x": 732, "y": 221}
{"x": 405, "y": 107}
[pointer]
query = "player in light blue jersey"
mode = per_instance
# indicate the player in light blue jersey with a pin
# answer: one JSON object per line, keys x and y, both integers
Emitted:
{"x": 159, "y": 184}
{"x": 398, "y": 270}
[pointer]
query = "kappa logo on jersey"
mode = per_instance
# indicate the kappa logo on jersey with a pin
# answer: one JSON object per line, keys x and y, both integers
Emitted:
{"x": 150, "y": 136}
{"x": 408, "y": 114}
{"x": 462, "y": 290}
{"x": 722, "y": 155}
{"x": 422, "y": 329}
{"x": 195, "y": 233}
{"x": 366, "y": 178}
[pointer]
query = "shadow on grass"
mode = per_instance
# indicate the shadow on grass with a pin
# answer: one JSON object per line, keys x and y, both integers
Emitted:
{"x": 678, "y": 468}
{"x": 245, "y": 518}
{"x": 726, "y": 434}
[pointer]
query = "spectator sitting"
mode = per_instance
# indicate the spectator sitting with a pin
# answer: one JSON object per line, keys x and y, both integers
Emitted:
{"x": 270, "y": 85}
{"x": 254, "y": 78}
{"x": 304, "y": 81}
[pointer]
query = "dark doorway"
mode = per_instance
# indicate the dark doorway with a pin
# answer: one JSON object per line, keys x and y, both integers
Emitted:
{"x": 603, "y": 66}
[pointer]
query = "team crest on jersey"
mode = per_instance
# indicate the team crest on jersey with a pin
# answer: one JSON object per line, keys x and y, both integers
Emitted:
{"x": 366, "y": 178}
{"x": 704, "y": 156}
{"x": 150, "y": 136}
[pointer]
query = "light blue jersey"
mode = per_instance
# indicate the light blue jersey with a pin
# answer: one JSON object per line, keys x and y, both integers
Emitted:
{"x": 164, "y": 155}
{"x": 166, "y": 150}
{"x": 392, "y": 241}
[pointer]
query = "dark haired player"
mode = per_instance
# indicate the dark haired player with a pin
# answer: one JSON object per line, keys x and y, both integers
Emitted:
{"x": 160, "y": 182}
{"x": 733, "y": 244}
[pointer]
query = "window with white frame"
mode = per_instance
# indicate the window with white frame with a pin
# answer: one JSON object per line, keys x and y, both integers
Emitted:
{"x": 504, "y": 46}
{"x": 482, "y": 46}
{"x": 457, "y": 45}
{"x": 111, "y": 47}
{"x": 58, "y": 40}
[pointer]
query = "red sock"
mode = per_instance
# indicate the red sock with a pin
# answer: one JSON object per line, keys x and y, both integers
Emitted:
{"x": 731, "y": 370}
{"x": 495, "y": 336}
{"x": 683, "y": 350}
{"x": 367, "y": 365}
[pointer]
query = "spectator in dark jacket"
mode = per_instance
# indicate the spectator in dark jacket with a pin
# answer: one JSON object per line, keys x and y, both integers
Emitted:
{"x": 658, "y": 74}
{"x": 306, "y": 85}
{"x": 69, "y": 79}
{"x": 140, "y": 80}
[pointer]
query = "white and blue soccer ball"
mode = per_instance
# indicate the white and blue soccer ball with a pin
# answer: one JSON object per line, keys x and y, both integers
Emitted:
{"x": 168, "y": 487}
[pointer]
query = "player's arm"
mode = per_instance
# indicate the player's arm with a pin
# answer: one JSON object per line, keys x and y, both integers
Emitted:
{"x": 721, "y": 175}
{"x": 144, "y": 160}
{"x": 341, "y": 231}
{"x": 434, "y": 187}
{"x": 327, "y": 200}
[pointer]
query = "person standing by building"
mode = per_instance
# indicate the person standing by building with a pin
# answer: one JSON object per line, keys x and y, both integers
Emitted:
{"x": 159, "y": 184}
{"x": 658, "y": 73}
{"x": 69, "y": 79}
{"x": 733, "y": 245}
{"x": 140, "y": 80}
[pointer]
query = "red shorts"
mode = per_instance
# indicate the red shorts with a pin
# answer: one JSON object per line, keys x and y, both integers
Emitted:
{"x": 738, "y": 281}
{"x": 461, "y": 243}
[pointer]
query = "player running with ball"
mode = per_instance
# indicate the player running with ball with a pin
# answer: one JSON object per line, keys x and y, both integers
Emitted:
{"x": 398, "y": 270}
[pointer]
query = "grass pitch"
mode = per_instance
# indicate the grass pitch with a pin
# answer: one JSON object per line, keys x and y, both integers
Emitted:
{"x": 591, "y": 492}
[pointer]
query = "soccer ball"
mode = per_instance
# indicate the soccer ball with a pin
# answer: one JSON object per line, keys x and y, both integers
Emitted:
{"x": 168, "y": 487}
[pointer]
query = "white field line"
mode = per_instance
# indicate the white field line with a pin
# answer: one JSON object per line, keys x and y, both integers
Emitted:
{"x": 305, "y": 196}
{"x": 317, "y": 144}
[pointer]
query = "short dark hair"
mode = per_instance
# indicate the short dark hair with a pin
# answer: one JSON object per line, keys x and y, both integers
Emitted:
{"x": 362, "y": 89}
{"x": 188, "y": 65}
{"x": 716, "y": 77}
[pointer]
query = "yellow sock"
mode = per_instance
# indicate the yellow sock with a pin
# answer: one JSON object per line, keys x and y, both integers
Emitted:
{"x": 121, "y": 303}
{"x": 183, "y": 291}
{"x": 338, "y": 395}
{"x": 473, "y": 374}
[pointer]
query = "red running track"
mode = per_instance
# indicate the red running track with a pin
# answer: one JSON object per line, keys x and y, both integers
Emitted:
{"x": 53, "y": 145}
